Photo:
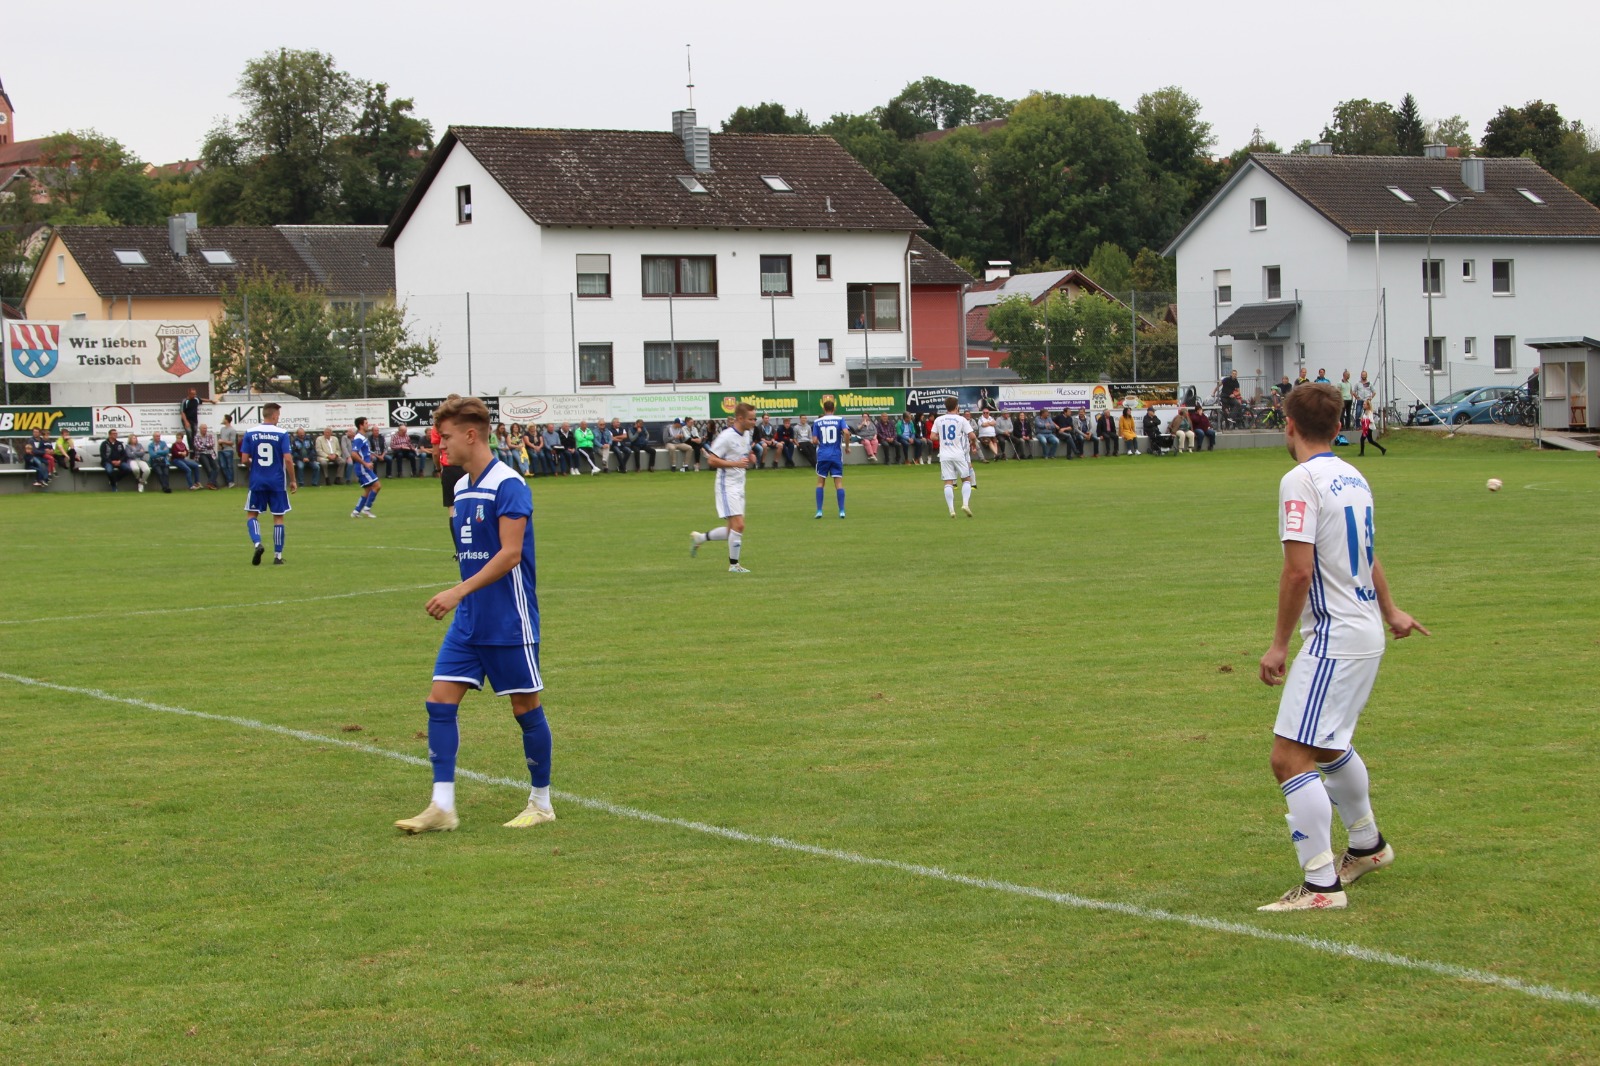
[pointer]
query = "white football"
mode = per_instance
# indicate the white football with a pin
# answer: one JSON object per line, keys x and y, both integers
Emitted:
{"x": 1494, "y": 484}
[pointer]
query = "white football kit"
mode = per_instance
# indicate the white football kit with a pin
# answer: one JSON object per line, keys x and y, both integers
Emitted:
{"x": 953, "y": 432}
{"x": 730, "y": 446}
{"x": 1326, "y": 502}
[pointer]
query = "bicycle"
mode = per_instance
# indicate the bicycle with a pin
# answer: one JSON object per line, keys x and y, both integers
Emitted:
{"x": 1515, "y": 409}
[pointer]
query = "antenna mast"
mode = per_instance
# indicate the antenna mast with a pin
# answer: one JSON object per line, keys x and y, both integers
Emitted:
{"x": 688, "y": 59}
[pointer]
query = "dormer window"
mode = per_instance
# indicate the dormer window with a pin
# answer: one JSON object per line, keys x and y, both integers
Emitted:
{"x": 1445, "y": 194}
{"x": 776, "y": 184}
{"x": 692, "y": 183}
{"x": 1402, "y": 195}
{"x": 130, "y": 257}
{"x": 217, "y": 257}
{"x": 1532, "y": 197}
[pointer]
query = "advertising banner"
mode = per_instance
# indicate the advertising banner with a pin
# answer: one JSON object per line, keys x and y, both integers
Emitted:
{"x": 419, "y": 412}
{"x": 1092, "y": 398}
{"x": 524, "y": 410}
{"x": 861, "y": 401}
{"x": 658, "y": 406}
{"x": 141, "y": 418}
{"x": 968, "y": 397}
{"x": 22, "y": 421}
{"x": 775, "y": 403}
{"x": 118, "y": 352}
{"x": 1144, "y": 393}
{"x": 796, "y": 402}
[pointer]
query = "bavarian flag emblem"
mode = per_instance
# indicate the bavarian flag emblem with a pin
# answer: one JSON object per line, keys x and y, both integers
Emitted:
{"x": 35, "y": 348}
{"x": 180, "y": 349}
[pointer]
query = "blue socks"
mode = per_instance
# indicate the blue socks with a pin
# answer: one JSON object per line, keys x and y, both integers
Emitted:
{"x": 838, "y": 494}
{"x": 444, "y": 740}
{"x": 277, "y": 540}
{"x": 535, "y": 745}
{"x": 254, "y": 526}
{"x": 819, "y": 497}
{"x": 365, "y": 503}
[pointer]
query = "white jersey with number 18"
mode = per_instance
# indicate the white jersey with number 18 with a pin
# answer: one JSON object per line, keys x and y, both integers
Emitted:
{"x": 953, "y": 432}
{"x": 1326, "y": 502}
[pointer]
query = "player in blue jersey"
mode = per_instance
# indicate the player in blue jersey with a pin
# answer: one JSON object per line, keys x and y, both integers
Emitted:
{"x": 265, "y": 450}
{"x": 832, "y": 436}
{"x": 366, "y": 473}
{"x": 495, "y": 632}
{"x": 1333, "y": 589}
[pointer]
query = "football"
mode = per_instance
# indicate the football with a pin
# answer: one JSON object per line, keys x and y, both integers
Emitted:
{"x": 1494, "y": 484}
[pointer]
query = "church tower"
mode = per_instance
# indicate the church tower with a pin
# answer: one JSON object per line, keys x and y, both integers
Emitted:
{"x": 8, "y": 133}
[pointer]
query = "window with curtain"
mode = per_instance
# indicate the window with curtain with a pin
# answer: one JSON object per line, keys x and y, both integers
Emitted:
{"x": 594, "y": 275}
{"x": 775, "y": 276}
{"x": 680, "y": 275}
{"x": 777, "y": 360}
{"x": 658, "y": 363}
{"x": 594, "y": 364}
{"x": 873, "y": 306}
{"x": 697, "y": 362}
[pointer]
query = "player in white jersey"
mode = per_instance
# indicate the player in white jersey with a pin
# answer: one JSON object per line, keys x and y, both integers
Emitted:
{"x": 729, "y": 455}
{"x": 1333, "y": 586}
{"x": 832, "y": 436}
{"x": 957, "y": 441}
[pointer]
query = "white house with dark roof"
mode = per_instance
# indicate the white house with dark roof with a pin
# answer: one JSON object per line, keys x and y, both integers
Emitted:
{"x": 565, "y": 261}
{"x": 1284, "y": 268}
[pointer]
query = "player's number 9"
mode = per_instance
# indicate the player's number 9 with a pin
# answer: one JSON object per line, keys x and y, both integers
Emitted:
{"x": 265, "y": 454}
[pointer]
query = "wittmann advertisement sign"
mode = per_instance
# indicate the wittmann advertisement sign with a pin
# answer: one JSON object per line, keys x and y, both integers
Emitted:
{"x": 121, "y": 352}
{"x": 795, "y": 402}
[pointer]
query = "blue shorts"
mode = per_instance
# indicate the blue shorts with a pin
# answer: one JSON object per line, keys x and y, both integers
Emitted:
{"x": 365, "y": 477}
{"x": 274, "y": 500}
{"x": 829, "y": 468}
{"x": 509, "y": 667}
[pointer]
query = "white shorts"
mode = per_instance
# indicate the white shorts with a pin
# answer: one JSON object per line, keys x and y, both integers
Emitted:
{"x": 730, "y": 499}
{"x": 1323, "y": 699}
{"x": 956, "y": 469}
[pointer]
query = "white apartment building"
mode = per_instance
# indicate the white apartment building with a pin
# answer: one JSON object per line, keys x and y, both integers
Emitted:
{"x": 593, "y": 261}
{"x": 1291, "y": 264}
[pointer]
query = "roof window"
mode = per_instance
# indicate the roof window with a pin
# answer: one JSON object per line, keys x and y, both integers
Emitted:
{"x": 692, "y": 183}
{"x": 1532, "y": 197}
{"x": 1402, "y": 194}
{"x": 217, "y": 256}
{"x": 1446, "y": 195}
{"x": 130, "y": 257}
{"x": 776, "y": 184}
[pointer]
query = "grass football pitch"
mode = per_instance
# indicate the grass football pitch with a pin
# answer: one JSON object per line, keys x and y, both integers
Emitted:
{"x": 913, "y": 790}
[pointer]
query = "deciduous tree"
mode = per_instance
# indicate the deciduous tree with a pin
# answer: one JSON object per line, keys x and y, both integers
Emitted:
{"x": 767, "y": 118}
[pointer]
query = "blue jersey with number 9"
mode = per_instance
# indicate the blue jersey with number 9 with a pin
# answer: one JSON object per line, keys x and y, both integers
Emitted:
{"x": 268, "y": 449}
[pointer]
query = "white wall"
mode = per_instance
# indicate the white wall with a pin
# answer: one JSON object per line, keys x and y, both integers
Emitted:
{"x": 526, "y": 318}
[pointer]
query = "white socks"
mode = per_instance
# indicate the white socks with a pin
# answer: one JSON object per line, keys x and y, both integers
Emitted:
{"x": 950, "y": 498}
{"x": 1311, "y": 827}
{"x": 735, "y": 540}
{"x": 720, "y": 533}
{"x": 444, "y": 795}
{"x": 1347, "y": 785}
{"x": 540, "y": 797}
{"x": 966, "y": 493}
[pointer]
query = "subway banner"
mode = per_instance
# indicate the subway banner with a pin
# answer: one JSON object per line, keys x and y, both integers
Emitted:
{"x": 116, "y": 352}
{"x": 22, "y": 421}
{"x": 795, "y": 402}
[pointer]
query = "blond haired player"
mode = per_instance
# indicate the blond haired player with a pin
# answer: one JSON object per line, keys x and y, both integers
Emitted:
{"x": 729, "y": 455}
{"x": 1333, "y": 586}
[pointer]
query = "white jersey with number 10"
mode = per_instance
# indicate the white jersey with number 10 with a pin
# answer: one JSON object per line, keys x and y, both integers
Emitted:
{"x": 953, "y": 433}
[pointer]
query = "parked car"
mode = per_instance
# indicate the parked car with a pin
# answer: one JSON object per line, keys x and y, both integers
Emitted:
{"x": 1463, "y": 405}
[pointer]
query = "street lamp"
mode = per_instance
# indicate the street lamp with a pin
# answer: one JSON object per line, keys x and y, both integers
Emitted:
{"x": 1428, "y": 280}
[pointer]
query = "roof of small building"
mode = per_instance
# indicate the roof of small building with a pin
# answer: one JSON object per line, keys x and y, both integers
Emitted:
{"x": 632, "y": 178}
{"x": 346, "y": 260}
{"x": 307, "y": 255}
{"x": 929, "y": 266}
{"x": 1357, "y": 194}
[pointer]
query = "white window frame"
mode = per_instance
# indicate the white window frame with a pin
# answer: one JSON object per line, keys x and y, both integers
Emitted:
{"x": 1469, "y": 347}
{"x": 1469, "y": 270}
{"x": 61, "y": 270}
{"x": 1258, "y": 213}
{"x": 1511, "y": 277}
{"x": 1433, "y": 274}
{"x": 463, "y": 205}
{"x": 1220, "y": 280}
{"x": 1266, "y": 282}
{"x": 1433, "y": 355}
{"x": 1511, "y": 355}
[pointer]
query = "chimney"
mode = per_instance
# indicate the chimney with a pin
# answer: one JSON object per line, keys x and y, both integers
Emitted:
{"x": 1435, "y": 151}
{"x": 1320, "y": 148}
{"x": 697, "y": 147}
{"x": 191, "y": 221}
{"x": 1472, "y": 174}
{"x": 178, "y": 236}
{"x": 682, "y": 120}
{"x": 998, "y": 269}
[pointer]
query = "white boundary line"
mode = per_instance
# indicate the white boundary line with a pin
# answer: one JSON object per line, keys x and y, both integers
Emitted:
{"x": 220, "y": 606}
{"x": 1323, "y": 946}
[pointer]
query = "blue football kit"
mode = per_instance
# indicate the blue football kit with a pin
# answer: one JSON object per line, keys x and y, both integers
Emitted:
{"x": 268, "y": 448}
{"x": 829, "y": 432}
{"x": 361, "y": 450}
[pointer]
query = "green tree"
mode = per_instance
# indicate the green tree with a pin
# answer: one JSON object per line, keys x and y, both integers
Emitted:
{"x": 1060, "y": 339}
{"x": 1452, "y": 132}
{"x": 1155, "y": 279}
{"x": 1155, "y": 358}
{"x": 1535, "y": 130}
{"x": 767, "y": 118}
{"x": 955, "y": 193}
{"x": 382, "y": 156}
{"x": 98, "y": 182}
{"x": 1178, "y": 144}
{"x": 934, "y": 104}
{"x": 1361, "y": 127}
{"x": 1409, "y": 135}
{"x": 294, "y": 334}
{"x": 886, "y": 156}
{"x": 1110, "y": 268}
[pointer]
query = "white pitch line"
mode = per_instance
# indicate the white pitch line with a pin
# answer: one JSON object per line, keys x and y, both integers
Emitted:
{"x": 1321, "y": 945}
{"x": 220, "y": 606}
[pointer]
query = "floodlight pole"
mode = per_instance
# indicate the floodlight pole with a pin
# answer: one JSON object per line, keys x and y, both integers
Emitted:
{"x": 1431, "y": 292}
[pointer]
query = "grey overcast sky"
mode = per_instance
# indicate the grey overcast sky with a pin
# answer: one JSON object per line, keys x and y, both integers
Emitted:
{"x": 156, "y": 75}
